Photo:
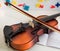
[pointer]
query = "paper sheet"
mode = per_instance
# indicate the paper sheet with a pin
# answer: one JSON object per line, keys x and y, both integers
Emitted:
{"x": 43, "y": 39}
{"x": 54, "y": 40}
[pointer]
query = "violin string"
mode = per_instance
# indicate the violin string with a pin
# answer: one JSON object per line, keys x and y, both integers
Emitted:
{"x": 41, "y": 22}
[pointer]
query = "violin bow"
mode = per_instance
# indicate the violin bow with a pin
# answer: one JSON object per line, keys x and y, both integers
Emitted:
{"x": 40, "y": 21}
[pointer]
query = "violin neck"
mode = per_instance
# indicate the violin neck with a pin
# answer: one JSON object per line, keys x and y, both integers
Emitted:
{"x": 48, "y": 18}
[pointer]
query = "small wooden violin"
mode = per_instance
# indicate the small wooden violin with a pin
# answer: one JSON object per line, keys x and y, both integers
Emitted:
{"x": 23, "y": 36}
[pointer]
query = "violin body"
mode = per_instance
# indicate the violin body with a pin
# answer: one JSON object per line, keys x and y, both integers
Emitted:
{"x": 22, "y": 40}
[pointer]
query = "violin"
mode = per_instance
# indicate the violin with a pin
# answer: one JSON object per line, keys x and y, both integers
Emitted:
{"x": 23, "y": 36}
